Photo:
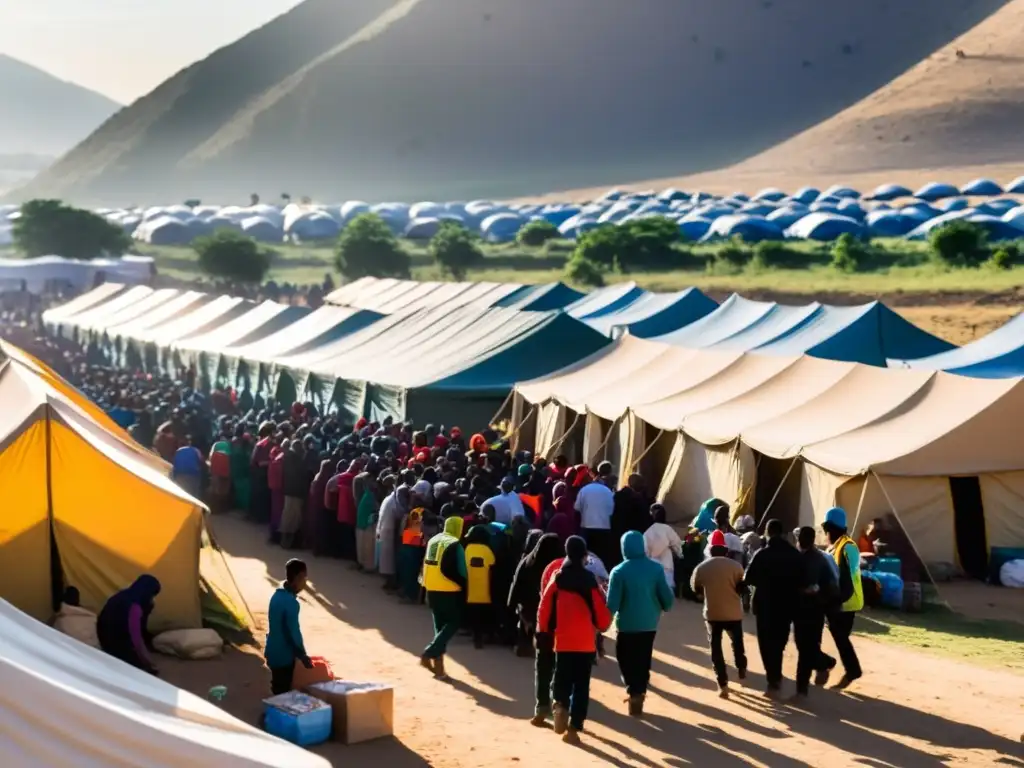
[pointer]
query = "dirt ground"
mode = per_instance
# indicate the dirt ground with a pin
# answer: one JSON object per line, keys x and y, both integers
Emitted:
{"x": 910, "y": 710}
{"x": 959, "y": 323}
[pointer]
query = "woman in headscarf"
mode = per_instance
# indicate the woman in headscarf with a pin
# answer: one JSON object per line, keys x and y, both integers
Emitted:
{"x": 275, "y": 482}
{"x": 346, "y": 509}
{"x": 524, "y": 595}
{"x": 364, "y": 486}
{"x": 410, "y": 554}
{"x": 563, "y": 523}
{"x": 392, "y": 511}
{"x": 122, "y": 624}
{"x": 240, "y": 476}
{"x": 322, "y": 535}
{"x": 705, "y": 519}
{"x": 259, "y": 465}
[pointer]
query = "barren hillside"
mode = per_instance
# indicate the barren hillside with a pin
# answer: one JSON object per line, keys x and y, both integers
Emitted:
{"x": 447, "y": 99}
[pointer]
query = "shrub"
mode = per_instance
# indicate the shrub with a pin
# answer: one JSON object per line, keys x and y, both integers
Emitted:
{"x": 51, "y": 228}
{"x": 730, "y": 257}
{"x": 233, "y": 256}
{"x": 455, "y": 249}
{"x": 536, "y": 233}
{"x": 776, "y": 255}
{"x": 1005, "y": 257}
{"x": 640, "y": 244}
{"x": 583, "y": 271}
{"x": 850, "y": 254}
{"x": 959, "y": 244}
{"x": 368, "y": 248}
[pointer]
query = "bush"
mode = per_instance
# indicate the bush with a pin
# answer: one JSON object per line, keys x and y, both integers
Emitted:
{"x": 536, "y": 233}
{"x": 959, "y": 244}
{"x": 455, "y": 250}
{"x": 640, "y": 244}
{"x": 368, "y": 248}
{"x": 583, "y": 271}
{"x": 1006, "y": 257}
{"x": 730, "y": 258}
{"x": 50, "y": 228}
{"x": 231, "y": 255}
{"x": 772, "y": 254}
{"x": 850, "y": 254}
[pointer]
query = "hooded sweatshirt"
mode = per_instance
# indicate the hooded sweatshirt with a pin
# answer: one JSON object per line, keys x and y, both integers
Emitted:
{"x": 637, "y": 591}
{"x": 573, "y": 607}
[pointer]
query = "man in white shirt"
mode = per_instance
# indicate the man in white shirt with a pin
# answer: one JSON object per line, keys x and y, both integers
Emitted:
{"x": 596, "y": 503}
{"x": 507, "y": 505}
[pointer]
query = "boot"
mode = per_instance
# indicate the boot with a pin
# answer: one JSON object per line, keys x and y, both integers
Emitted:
{"x": 572, "y": 737}
{"x": 636, "y": 706}
{"x": 561, "y": 716}
{"x": 427, "y": 663}
{"x": 439, "y": 672}
{"x": 723, "y": 690}
{"x": 540, "y": 716}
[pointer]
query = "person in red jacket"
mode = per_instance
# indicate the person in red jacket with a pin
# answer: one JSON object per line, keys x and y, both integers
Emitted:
{"x": 573, "y": 610}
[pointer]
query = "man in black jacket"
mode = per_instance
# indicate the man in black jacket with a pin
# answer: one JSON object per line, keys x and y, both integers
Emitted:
{"x": 819, "y": 592}
{"x": 776, "y": 574}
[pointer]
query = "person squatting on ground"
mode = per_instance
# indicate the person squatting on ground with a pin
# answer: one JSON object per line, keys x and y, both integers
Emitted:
{"x": 776, "y": 575}
{"x": 284, "y": 636}
{"x": 573, "y": 610}
{"x": 444, "y": 578}
{"x": 844, "y": 552}
{"x": 638, "y": 595}
{"x": 122, "y": 626}
{"x": 819, "y": 593}
{"x": 720, "y": 578}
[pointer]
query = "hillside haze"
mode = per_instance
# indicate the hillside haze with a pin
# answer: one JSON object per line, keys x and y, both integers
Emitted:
{"x": 444, "y": 99}
{"x": 42, "y": 115}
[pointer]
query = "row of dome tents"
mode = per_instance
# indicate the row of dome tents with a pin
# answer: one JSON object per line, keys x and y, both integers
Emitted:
{"x": 794, "y": 435}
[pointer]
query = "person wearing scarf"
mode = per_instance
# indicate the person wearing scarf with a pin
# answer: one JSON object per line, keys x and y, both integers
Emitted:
{"x": 364, "y": 488}
{"x": 564, "y": 523}
{"x": 240, "y": 475}
{"x": 392, "y": 511}
{"x": 410, "y": 554}
{"x": 275, "y": 482}
{"x": 122, "y": 625}
{"x": 324, "y": 541}
{"x": 573, "y": 610}
{"x": 346, "y": 510}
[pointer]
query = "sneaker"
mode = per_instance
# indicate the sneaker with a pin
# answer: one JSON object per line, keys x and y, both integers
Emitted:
{"x": 572, "y": 737}
{"x": 561, "y": 717}
{"x": 845, "y": 681}
{"x": 723, "y": 690}
{"x": 636, "y": 706}
{"x": 821, "y": 677}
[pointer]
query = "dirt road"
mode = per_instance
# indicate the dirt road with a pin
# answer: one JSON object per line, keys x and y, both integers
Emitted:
{"x": 911, "y": 710}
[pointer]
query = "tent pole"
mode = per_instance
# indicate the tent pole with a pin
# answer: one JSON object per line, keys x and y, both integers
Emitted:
{"x": 911, "y": 540}
{"x": 633, "y": 465}
{"x": 860, "y": 504}
{"x": 515, "y": 430}
{"x": 778, "y": 490}
{"x": 501, "y": 408}
{"x": 558, "y": 444}
{"x": 56, "y": 571}
{"x": 604, "y": 442}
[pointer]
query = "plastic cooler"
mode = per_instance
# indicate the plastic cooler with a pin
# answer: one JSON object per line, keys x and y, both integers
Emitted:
{"x": 298, "y": 717}
{"x": 889, "y": 565}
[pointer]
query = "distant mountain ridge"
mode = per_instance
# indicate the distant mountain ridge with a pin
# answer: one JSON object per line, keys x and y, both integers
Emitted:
{"x": 43, "y": 115}
{"x": 444, "y": 99}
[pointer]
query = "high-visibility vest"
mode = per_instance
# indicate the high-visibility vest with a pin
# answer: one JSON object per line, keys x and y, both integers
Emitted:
{"x": 413, "y": 532}
{"x": 433, "y": 579}
{"x": 856, "y": 601}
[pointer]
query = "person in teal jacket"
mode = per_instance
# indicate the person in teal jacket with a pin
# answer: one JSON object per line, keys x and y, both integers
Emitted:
{"x": 637, "y": 596}
{"x": 284, "y": 637}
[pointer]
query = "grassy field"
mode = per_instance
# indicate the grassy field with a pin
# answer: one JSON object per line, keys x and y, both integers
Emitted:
{"x": 904, "y": 269}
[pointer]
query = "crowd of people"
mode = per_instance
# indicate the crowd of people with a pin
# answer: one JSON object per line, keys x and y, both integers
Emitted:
{"x": 531, "y": 553}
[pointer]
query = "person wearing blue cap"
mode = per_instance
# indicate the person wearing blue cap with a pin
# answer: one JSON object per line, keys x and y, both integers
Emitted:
{"x": 844, "y": 551}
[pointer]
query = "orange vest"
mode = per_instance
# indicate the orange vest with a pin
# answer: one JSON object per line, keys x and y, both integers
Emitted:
{"x": 413, "y": 533}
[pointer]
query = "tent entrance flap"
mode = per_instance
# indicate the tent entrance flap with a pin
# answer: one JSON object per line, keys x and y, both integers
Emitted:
{"x": 777, "y": 492}
{"x": 969, "y": 524}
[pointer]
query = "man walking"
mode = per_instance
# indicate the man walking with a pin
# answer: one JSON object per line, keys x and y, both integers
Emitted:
{"x": 721, "y": 580}
{"x": 596, "y": 505}
{"x": 775, "y": 573}
{"x": 844, "y": 552}
{"x": 818, "y": 592}
{"x": 444, "y": 578}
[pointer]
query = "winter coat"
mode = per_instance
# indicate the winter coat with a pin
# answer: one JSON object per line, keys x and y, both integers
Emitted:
{"x": 637, "y": 591}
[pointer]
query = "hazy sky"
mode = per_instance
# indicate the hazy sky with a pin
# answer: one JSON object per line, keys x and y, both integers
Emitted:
{"x": 125, "y": 48}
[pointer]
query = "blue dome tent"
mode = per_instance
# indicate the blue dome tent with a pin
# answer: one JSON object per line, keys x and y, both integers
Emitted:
{"x": 262, "y": 230}
{"x": 1016, "y": 187}
{"x": 889, "y": 192}
{"x": 824, "y": 227}
{"x": 806, "y": 195}
{"x": 423, "y": 228}
{"x": 889, "y": 224}
{"x": 751, "y": 229}
{"x": 502, "y": 227}
{"x": 842, "y": 192}
{"x": 770, "y": 194}
{"x": 981, "y": 188}
{"x": 783, "y": 218}
{"x": 693, "y": 228}
{"x": 936, "y": 190}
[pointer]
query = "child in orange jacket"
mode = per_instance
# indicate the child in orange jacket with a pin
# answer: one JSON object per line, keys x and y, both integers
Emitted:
{"x": 573, "y": 610}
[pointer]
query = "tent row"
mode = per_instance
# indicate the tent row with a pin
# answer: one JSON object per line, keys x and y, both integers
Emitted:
{"x": 45, "y": 272}
{"x": 793, "y": 435}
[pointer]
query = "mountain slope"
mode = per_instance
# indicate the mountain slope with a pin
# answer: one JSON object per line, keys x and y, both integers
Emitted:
{"x": 41, "y": 115}
{"x": 443, "y": 99}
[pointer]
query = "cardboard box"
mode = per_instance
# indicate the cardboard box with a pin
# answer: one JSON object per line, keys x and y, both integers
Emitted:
{"x": 362, "y": 711}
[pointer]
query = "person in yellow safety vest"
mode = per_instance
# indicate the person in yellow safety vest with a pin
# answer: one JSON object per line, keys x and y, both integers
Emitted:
{"x": 480, "y": 561}
{"x": 444, "y": 578}
{"x": 846, "y": 555}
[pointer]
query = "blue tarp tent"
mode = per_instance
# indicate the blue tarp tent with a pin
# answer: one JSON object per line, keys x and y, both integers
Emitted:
{"x": 997, "y": 355}
{"x": 655, "y": 314}
{"x": 540, "y": 298}
{"x": 604, "y": 301}
{"x": 824, "y": 227}
{"x": 865, "y": 334}
{"x": 981, "y": 188}
{"x": 887, "y": 192}
{"x": 936, "y": 190}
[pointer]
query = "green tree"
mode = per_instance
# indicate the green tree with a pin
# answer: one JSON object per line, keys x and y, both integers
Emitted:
{"x": 536, "y": 233}
{"x": 231, "y": 255}
{"x": 583, "y": 271}
{"x": 51, "y": 228}
{"x": 850, "y": 254}
{"x": 368, "y": 248}
{"x": 455, "y": 249}
{"x": 959, "y": 244}
{"x": 647, "y": 243}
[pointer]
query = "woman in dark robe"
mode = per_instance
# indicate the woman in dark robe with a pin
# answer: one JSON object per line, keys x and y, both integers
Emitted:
{"x": 122, "y": 625}
{"x": 524, "y": 596}
{"x": 318, "y": 537}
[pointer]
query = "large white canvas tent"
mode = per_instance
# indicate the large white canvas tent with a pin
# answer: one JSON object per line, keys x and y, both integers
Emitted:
{"x": 63, "y": 703}
{"x": 795, "y": 432}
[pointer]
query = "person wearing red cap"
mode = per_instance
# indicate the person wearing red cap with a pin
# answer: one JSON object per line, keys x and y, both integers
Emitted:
{"x": 721, "y": 580}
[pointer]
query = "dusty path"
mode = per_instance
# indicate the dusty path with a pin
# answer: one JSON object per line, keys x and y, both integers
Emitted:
{"x": 910, "y": 711}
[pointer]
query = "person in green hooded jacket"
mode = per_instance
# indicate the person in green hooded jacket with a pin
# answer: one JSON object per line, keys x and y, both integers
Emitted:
{"x": 445, "y": 580}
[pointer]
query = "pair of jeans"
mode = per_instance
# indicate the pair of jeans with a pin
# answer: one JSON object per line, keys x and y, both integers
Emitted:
{"x": 572, "y": 685}
{"x": 543, "y": 674}
{"x": 634, "y": 651}
{"x": 840, "y": 626}
{"x": 772, "y": 637}
{"x": 480, "y": 617}
{"x": 807, "y": 631}
{"x": 735, "y": 631}
{"x": 446, "y": 609}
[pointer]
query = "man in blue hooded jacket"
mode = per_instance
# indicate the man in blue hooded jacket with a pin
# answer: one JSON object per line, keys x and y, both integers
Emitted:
{"x": 637, "y": 596}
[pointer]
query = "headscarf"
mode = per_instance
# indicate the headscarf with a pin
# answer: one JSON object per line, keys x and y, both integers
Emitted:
{"x": 478, "y": 443}
{"x": 319, "y": 486}
{"x": 479, "y": 534}
{"x": 424, "y": 490}
{"x": 559, "y": 490}
{"x": 142, "y": 592}
{"x": 453, "y": 527}
{"x": 705, "y": 519}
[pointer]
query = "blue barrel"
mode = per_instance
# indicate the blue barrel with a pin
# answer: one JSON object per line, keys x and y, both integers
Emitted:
{"x": 892, "y": 589}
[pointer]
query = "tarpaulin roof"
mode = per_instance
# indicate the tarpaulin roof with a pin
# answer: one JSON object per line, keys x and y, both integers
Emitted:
{"x": 259, "y": 322}
{"x": 845, "y": 417}
{"x": 388, "y": 295}
{"x": 98, "y": 312}
{"x": 540, "y": 298}
{"x": 97, "y": 295}
{"x": 655, "y": 314}
{"x": 996, "y": 355}
{"x": 166, "y": 312}
{"x": 213, "y": 314}
{"x": 64, "y": 703}
{"x": 866, "y": 334}
{"x": 131, "y": 312}
{"x": 604, "y": 301}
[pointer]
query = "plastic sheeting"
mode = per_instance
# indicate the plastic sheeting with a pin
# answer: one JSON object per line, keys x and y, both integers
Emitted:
{"x": 655, "y": 314}
{"x": 35, "y": 274}
{"x": 388, "y": 295}
{"x": 998, "y": 354}
{"x": 64, "y": 703}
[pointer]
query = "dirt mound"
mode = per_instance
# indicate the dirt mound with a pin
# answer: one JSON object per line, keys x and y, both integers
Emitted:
{"x": 440, "y": 99}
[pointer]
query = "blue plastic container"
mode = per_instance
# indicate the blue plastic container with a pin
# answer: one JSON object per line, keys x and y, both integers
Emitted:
{"x": 892, "y": 589}
{"x": 889, "y": 565}
{"x": 299, "y": 718}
